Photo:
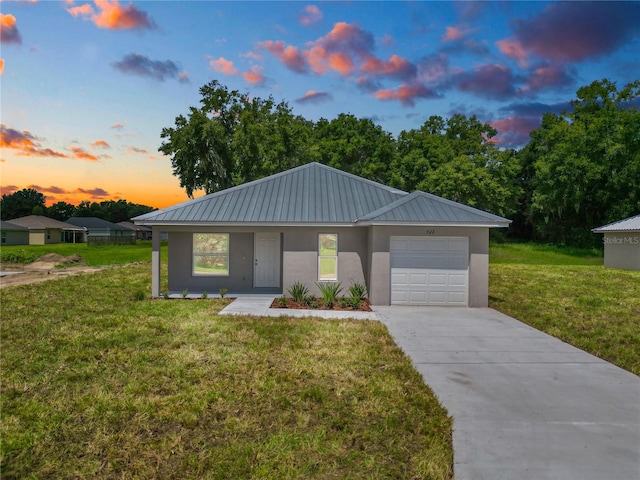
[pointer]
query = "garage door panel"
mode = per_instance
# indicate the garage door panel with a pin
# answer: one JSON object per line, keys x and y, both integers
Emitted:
{"x": 429, "y": 270}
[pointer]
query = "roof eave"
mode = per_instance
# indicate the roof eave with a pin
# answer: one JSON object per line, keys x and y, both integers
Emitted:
{"x": 366, "y": 223}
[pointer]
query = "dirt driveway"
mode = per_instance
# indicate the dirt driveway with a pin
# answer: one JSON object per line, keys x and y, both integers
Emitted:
{"x": 48, "y": 267}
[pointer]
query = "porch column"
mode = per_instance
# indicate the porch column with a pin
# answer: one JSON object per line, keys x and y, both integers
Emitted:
{"x": 155, "y": 263}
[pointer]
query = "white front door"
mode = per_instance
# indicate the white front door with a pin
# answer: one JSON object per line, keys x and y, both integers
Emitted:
{"x": 266, "y": 262}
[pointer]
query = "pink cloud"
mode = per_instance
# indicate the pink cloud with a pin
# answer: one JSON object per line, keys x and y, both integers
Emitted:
{"x": 395, "y": 67}
{"x": 453, "y": 34}
{"x": 406, "y": 94}
{"x": 314, "y": 97}
{"x": 25, "y": 144}
{"x": 545, "y": 77}
{"x": 311, "y": 14}
{"x": 514, "y": 131}
{"x": 117, "y": 126}
{"x": 9, "y": 33}
{"x": 81, "y": 154}
{"x": 8, "y": 189}
{"x": 222, "y": 65}
{"x": 111, "y": 15}
{"x": 101, "y": 144}
{"x": 52, "y": 189}
{"x": 290, "y": 56}
{"x": 254, "y": 75}
{"x": 94, "y": 192}
{"x": 514, "y": 49}
{"x": 492, "y": 81}
{"x": 1, "y": 66}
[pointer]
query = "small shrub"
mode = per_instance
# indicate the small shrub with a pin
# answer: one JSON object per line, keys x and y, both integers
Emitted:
{"x": 330, "y": 292}
{"x": 313, "y": 304}
{"x": 223, "y": 292}
{"x": 282, "y": 301}
{"x": 358, "y": 290}
{"x": 298, "y": 292}
{"x": 308, "y": 300}
{"x": 165, "y": 295}
{"x": 204, "y": 295}
{"x": 185, "y": 292}
{"x": 139, "y": 295}
{"x": 343, "y": 302}
{"x": 355, "y": 302}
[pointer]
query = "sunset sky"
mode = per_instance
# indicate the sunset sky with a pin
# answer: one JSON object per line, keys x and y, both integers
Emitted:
{"x": 88, "y": 86}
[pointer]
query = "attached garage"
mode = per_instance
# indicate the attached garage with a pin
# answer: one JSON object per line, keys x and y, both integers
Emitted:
{"x": 429, "y": 270}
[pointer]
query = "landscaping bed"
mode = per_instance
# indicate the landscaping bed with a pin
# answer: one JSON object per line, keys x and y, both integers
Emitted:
{"x": 318, "y": 304}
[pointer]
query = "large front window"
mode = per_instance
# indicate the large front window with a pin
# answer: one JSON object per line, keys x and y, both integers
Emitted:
{"x": 211, "y": 254}
{"x": 327, "y": 257}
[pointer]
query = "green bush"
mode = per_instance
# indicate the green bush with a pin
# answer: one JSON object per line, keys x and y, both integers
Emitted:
{"x": 204, "y": 295}
{"x": 282, "y": 301}
{"x": 298, "y": 292}
{"x": 185, "y": 292}
{"x": 330, "y": 292}
{"x": 18, "y": 256}
{"x": 223, "y": 292}
{"x": 358, "y": 290}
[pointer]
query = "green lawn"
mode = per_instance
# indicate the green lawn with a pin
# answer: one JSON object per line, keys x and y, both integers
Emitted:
{"x": 567, "y": 293}
{"x": 97, "y": 385}
{"x": 94, "y": 255}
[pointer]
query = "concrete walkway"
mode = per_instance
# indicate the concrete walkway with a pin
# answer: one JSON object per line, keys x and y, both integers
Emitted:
{"x": 525, "y": 405}
{"x": 261, "y": 306}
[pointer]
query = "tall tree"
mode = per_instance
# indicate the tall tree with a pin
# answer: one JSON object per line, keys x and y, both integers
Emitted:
{"x": 61, "y": 211}
{"x": 586, "y": 164}
{"x": 21, "y": 203}
{"x": 233, "y": 138}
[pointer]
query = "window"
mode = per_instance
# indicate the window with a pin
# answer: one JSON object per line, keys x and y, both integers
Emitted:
{"x": 327, "y": 257}
{"x": 4, "y": 237}
{"x": 211, "y": 254}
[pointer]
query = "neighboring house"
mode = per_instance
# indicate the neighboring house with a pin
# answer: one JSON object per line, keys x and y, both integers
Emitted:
{"x": 142, "y": 232}
{"x": 12, "y": 234}
{"x": 99, "y": 231}
{"x": 45, "y": 230}
{"x": 621, "y": 243}
{"x": 318, "y": 224}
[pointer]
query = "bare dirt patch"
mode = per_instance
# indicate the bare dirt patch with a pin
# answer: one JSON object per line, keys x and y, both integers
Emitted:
{"x": 47, "y": 267}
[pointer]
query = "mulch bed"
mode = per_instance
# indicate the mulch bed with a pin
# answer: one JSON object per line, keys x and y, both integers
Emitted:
{"x": 365, "y": 306}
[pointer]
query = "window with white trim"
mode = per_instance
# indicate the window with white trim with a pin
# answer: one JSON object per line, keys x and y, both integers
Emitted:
{"x": 211, "y": 254}
{"x": 327, "y": 257}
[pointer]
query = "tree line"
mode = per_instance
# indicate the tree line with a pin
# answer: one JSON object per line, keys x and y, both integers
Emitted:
{"x": 31, "y": 202}
{"x": 580, "y": 169}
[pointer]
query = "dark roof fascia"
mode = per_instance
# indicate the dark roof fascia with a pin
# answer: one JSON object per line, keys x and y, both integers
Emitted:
{"x": 388, "y": 223}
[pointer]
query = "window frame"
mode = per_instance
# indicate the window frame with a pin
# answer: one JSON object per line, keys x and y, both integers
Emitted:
{"x": 322, "y": 257}
{"x": 195, "y": 254}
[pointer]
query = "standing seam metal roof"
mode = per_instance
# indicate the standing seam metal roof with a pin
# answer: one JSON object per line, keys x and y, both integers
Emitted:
{"x": 631, "y": 224}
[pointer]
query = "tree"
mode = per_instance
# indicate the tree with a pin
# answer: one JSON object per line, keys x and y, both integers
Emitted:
{"x": 21, "y": 203}
{"x": 233, "y": 138}
{"x": 586, "y": 164}
{"x": 61, "y": 211}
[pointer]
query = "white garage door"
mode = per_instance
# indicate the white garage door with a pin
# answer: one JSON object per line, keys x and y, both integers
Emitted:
{"x": 430, "y": 270}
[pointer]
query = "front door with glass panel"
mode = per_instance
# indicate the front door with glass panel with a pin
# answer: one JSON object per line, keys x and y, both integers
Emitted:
{"x": 266, "y": 261}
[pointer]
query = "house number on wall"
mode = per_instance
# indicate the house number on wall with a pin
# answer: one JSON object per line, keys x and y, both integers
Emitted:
{"x": 429, "y": 232}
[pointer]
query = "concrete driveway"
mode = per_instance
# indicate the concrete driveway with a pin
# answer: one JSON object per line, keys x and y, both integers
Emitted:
{"x": 525, "y": 405}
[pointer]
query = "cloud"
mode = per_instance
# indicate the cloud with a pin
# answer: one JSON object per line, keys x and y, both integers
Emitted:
{"x": 8, "y": 189}
{"x": 134, "y": 150}
{"x": 514, "y": 49}
{"x": 490, "y": 81}
{"x": 545, "y": 77}
{"x": 396, "y": 67}
{"x": 136, "y": 64}
{"x": 313, "y": 97}
{"x": 514, "y": 131}
{"x": 94, "y": 192}
{"x": 534, "y": 109}
{"x": 9, "y": 33}
{"x": 100, "y": 144}
{"x": 290, "y": 56}
{"x": 117, "y": 126}
{"x": 25, "y": 143}
{"x": 52, "y": 189}
{"x": 81, "y": 154}
{"x": 407, "y": 94}
{"x": 254, "y": 75}
{"x": 575, "y": 31}
{"x": 311, "y": 14}
{"x": 111, "y": 15}
{"x": 453, "y": 34}
{"x": 1, "y": 66}
{"x": 222, "y": 65}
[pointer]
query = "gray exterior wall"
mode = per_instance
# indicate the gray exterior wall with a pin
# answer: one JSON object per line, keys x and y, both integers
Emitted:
{"x": 16, "y": 237}
{"x": 380, "y": 277}
{"x": 622, "y": 250}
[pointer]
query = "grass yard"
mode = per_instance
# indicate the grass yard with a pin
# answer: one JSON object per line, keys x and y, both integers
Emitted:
{"x": 97, "y": 385}
{"x": 570, "y": 295}
{"x": 94, "y": 255}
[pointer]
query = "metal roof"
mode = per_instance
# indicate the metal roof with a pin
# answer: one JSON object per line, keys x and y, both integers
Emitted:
{"x": 38, "y": 222}
{"x": 96, "y": 223}
{"x": 317, "y": 194}
{"x": 311, "y": 194}
{"x": 425, "y": 208}
{"x": 631, "y": 224}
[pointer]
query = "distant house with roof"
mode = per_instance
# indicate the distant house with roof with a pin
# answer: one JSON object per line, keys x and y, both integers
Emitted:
{"x": 315, "y": 224}
{"x": 12, "y": 234}
{"x": 142, "y": 232}
{"x": 621, "y": 243}
{"x": 45, "y": 230}
{"x": 102, "y": 232}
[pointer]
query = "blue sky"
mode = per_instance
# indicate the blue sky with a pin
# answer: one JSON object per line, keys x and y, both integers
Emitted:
{"x": 87, "y": 86}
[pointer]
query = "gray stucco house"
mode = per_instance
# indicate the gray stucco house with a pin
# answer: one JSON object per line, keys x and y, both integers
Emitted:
{"x": 97, "y": 231}
{"x": 12, "y": 234}
{"x": 621, "y": 243}
{"x": 45, "y": 230}
{"x": 317, "y": 224}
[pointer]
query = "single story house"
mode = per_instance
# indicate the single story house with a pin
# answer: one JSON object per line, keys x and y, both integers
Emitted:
{"x": 45, "y": 230}
{"x": 12, "y": 234}
{"x": 102, "y": 232}
{"x": 142, "y": 232}
{"x": 317, "y": 224}
{"x": 621, "y": 243}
